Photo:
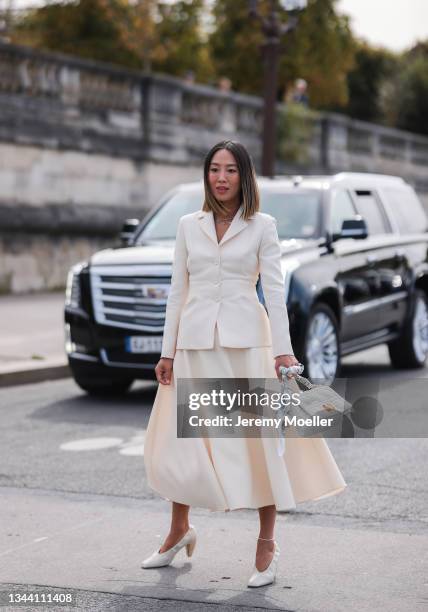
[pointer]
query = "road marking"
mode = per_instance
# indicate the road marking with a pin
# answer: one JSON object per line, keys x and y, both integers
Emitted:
{"x": 133, "y": 451}
{"x": 54, "y": 535}
{"x": 134, "y": 447}
{"x": 88, "y": 444}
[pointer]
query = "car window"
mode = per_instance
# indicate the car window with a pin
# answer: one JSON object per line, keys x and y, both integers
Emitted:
{"x": 297, "y": 214}
{"x": 407, "y": 209}
{"x": 368, "y": 207}
{"x": 341, "y": 208}
{"x": 163, "y": 225}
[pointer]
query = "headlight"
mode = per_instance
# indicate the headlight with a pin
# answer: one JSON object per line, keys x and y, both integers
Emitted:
{"x": 73, "y": 295}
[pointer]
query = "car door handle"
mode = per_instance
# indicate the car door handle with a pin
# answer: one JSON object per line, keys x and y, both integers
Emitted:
{"x": 371, "y": 259}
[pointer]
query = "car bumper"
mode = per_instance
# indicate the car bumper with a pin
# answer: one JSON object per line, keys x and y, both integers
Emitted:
{"x": 97, "y": 351}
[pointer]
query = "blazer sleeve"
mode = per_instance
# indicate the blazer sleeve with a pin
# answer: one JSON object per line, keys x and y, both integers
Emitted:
{"x": 177, "y": 294}
{"x": 273, "y": 289}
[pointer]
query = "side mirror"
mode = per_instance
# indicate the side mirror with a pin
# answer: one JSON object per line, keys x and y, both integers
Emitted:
{"x": 129, "y": 228}
{"x": 353, "y": 228}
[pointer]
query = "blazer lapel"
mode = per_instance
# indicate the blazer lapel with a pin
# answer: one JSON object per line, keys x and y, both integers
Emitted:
{"x": 206, "y": 220}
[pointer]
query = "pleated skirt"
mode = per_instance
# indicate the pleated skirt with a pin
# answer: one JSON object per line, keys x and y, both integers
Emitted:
{"x": 223, "y": 474}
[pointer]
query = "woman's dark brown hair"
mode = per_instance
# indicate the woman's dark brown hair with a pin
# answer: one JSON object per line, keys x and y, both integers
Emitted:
{"x": 249, "y": 192}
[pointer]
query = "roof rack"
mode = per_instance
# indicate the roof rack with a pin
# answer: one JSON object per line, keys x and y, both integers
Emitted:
{"x": 342, "y": 175}
{"x": 365, "y": 175}
{"x": 303, "y": 176}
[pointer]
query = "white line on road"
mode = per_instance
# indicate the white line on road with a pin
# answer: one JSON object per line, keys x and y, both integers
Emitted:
{"x": 55, "y": 535}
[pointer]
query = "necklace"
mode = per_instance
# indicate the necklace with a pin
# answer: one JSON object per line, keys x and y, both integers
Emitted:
{"x": 225, "y": 220}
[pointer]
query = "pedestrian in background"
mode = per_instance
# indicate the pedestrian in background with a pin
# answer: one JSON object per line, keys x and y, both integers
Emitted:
{"x": 300, "y": 93}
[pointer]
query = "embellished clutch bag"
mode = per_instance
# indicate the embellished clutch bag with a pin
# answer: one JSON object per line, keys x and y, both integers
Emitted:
{"x": 315, "y": 407}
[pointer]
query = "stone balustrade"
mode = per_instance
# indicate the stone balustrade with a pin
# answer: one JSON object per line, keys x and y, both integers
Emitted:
{"x": 85, "y": 144}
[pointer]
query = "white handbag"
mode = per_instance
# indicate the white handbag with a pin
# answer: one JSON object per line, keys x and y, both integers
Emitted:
{"x": 315, "y": 404}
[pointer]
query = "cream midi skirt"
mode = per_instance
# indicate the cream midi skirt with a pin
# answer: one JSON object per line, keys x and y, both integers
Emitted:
{"x": 224, "y": 474}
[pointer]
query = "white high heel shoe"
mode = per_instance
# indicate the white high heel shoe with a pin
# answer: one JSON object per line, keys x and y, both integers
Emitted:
{"x": 267, "y": 576}
{"x": 158, "y": 559}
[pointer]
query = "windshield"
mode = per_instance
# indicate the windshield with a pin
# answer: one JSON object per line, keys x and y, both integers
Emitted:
{"x": 297, "y": 213}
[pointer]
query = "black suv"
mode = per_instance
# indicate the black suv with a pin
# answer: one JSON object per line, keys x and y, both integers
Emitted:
{"x": 354, "y": 258}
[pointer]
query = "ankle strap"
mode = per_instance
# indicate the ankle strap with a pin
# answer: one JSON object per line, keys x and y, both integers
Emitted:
{"x": 266, "y": 540}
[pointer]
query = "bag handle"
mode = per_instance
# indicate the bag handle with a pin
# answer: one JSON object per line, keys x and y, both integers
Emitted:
{"x": 303, "y": 383}
{"x": 297, "y": 375}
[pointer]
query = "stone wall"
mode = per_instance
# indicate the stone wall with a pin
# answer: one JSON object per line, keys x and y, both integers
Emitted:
{"x": 39, "y": 261}
{"x": 84, "y": 145}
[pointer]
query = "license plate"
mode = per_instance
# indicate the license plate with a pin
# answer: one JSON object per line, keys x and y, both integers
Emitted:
{"x": 143, "y": 344}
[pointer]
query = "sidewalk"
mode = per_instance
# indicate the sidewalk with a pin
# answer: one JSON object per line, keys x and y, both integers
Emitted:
{"x": 32, "y": 338}
{"x": 92, "y": 546}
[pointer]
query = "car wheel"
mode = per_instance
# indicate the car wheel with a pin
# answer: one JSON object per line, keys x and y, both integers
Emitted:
{"x": 321, "y": 351}
{"x": 105, "y": 388}
{"x": 410, "y": 350}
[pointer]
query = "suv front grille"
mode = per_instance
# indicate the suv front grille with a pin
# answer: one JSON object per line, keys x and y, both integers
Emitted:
{"x": 133, "y": 297}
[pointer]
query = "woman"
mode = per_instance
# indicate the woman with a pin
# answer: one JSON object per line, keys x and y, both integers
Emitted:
{"x": 215, "y": 326}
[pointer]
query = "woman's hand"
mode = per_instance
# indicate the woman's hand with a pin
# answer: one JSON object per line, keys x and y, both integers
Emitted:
{"x": 163, "y": 370}
{"x": 287, "y": 361}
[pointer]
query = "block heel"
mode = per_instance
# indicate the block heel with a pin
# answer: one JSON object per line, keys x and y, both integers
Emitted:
{"x": 190, "y": 547}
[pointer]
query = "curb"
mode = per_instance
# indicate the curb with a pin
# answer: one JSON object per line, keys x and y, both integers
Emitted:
{"x": 34, "y": 375}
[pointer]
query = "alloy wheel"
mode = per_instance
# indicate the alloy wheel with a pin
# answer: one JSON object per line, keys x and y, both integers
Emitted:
{"x": 322, "y": 352}
{"x": 420, "y": 329}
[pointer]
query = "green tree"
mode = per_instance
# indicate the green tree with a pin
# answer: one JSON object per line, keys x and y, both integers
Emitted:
{"x": 144, "y": 34}
{"x": 166, "y": 37}
{"x": 366, "y": 80}
{"x": 136, "y": 23}
{"x": 405, "y": 96}
{"x": 294, "y": 134}
{"x": 83, "y": 28}
{"x": 181, "y": 39}
{"x": 234, "y": 45}
{"x": 320, "y": 50}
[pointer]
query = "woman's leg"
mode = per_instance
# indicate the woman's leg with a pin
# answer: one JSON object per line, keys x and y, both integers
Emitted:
{"x": 265, "y": 549}
{"x": 179, "y": 525}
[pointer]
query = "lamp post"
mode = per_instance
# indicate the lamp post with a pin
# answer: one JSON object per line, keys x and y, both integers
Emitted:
{"x": 273, "y": 29}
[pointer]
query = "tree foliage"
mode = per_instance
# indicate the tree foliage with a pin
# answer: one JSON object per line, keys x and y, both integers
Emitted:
{"x": 168, "y": 36}
{"x": 319, "y": 50}
{"x": 405, "y": 94}
{"x": 141, "y": 34}
{"x": 366, "y": 82}
{"x": 235, "y": 46}
{"x": 412, "y": 102}
{"x": 181, "y": 39}
{"x": 83, "y": 28}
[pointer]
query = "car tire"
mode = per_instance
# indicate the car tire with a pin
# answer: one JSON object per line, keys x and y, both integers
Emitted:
{"x": 410, "y": 349}
{"x": 105, "y": 389}
{"x": 321, "y": 346}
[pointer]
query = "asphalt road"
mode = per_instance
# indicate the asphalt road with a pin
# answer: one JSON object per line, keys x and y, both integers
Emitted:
{"x": 56, "y": 438}
{"x": 61, "y": 449}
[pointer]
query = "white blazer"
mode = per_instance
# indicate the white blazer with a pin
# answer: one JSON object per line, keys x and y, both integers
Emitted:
{"x": 215, "y": 283}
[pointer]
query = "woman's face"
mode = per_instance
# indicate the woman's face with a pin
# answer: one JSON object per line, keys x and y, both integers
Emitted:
{"x": 224, "y": 179}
